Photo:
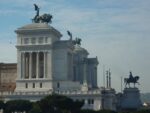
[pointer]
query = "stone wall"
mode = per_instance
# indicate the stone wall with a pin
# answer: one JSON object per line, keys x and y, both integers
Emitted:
{"x": 8, "y": 74}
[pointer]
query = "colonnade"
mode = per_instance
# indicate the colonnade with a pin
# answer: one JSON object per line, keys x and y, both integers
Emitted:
{"x": 33, "y": 65}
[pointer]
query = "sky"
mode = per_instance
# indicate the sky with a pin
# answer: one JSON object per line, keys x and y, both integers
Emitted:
{"x": 116, "y": 31}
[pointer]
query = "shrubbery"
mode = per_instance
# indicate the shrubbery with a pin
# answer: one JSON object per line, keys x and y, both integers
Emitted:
{"x": 52, "y": 104}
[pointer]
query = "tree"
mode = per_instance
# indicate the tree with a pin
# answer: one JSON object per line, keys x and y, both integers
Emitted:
{"x": 2, "y": 105}
{"x": 35, "y": 108}
{"x": 88, "y": 111}
{"x": 143, "y": 111}
{"x": 58, "y": 103}
{"x": 106, "y": 111}
{"x": 18, "y": 105}
{"x": 100, "y": 111}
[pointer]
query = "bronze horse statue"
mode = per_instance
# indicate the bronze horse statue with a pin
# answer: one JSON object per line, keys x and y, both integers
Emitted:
{"x": 131, "y": 79}
{"x": 45, "y": 18}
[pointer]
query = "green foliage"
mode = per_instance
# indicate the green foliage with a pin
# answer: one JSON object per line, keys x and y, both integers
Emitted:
{"x": 143, "y": 111}
{"x": 106, "y": 111}
{"x": 17, "y": 105}
{"x": 35, "y": 108}
{"x": 88, "y": 111}
{"x": 100, "y": 111}
{"x": 2, "y": 105}
{"x": 57, "y": 103}
{"x": 139, "y": 111}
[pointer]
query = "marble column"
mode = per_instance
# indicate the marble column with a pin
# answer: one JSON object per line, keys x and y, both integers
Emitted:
{"x": 49, "y": 65}
{"x": 30, "y": 65}
{"x": 85, "y": 70}
{"x": 45, "y": 64}
{"x": 23, "y": 65}
{"x": 27, "y": 65}
{"x": 37, "y": 65}
{"x": 19, "y": 64}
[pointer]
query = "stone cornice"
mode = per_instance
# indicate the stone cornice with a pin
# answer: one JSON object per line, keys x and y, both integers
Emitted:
{"x": 34, "y": 47}
{"x": 38, "y": 28}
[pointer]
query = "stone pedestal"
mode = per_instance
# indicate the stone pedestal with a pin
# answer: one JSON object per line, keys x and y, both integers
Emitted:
{"x": 131, "y": 99}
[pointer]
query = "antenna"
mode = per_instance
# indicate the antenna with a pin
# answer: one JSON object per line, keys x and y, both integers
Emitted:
{"x": 121, "y": 84}
{"x": 109, "y": 74}
{"x": 104, "y": 76}
{"x": 107, "y": 79}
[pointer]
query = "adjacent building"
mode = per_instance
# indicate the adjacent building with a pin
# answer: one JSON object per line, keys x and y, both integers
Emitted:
{"x": 8, "y": 74}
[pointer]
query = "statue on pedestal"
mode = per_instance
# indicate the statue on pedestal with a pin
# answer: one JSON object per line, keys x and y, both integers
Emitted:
{"x": 131, "y": 79}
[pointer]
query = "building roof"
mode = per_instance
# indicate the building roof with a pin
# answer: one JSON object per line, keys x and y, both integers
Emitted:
{"x": 93, "y": 60}
{"x": 63, "y": 44}
{"x": 36, "y": 27}
{"x": 79, "y": 49}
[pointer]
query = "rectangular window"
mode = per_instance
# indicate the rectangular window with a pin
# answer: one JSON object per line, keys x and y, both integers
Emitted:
{"x": 33, "y": 85}
{"x": 90, "y": 101}
{"x": 40, "y": 85}
{"x": 46, "y": 40}
{"x": 26, "y": 40}
{"x": 26, "y": 85}
{"x": 33, "y": 40}
{"x": 58, "y": 85}
{"x": 40, "y": 40}
{"x": 21, "y": 40}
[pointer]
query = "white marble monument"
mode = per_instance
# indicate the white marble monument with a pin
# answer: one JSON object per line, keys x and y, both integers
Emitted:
{"x": 47, "y": 64}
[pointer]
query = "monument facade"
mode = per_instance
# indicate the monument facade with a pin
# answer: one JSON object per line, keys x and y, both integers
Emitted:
{"x": 48, "y": 64}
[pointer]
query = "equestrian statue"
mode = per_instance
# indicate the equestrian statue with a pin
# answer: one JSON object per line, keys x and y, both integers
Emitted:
{"x": 45, "y": 18}
{"x": 131, "y": 79}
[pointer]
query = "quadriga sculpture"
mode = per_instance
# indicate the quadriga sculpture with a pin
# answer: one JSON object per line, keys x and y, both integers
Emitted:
{"x": 45, "y": 18}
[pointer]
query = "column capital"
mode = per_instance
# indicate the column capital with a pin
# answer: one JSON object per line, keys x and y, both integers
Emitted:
{"x": 29, "y": 51}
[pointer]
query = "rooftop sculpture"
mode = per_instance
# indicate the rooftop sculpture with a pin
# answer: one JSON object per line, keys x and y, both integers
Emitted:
{"x": 45, "y": 18}
{"x": 77, "y": 40}
{"x": 70, "y": 34}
